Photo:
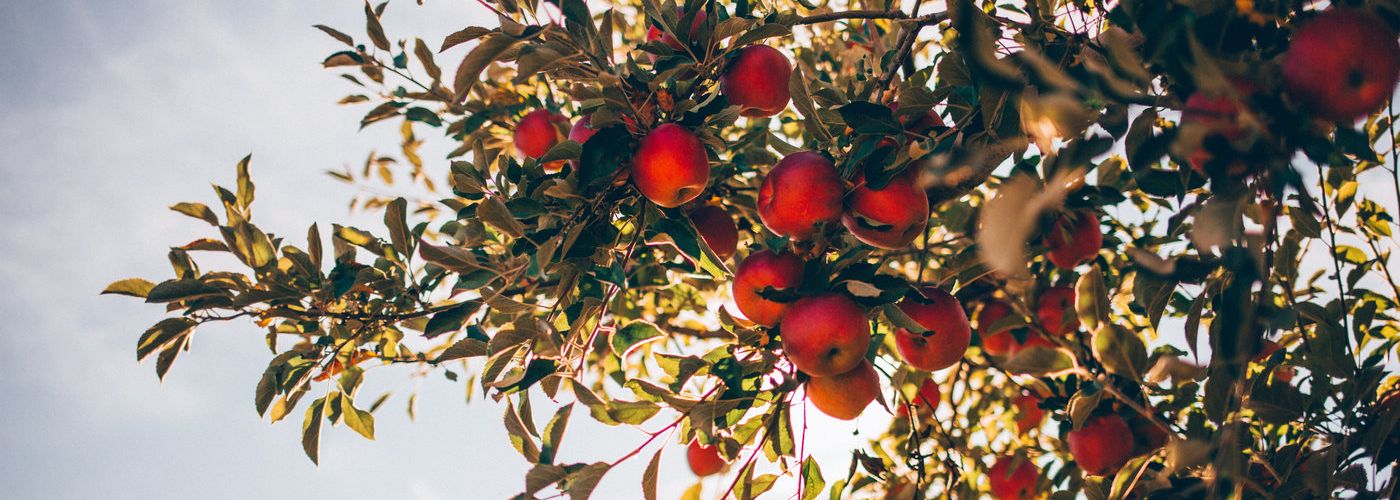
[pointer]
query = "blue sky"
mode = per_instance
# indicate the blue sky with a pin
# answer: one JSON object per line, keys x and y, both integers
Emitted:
{"x": 112, "y": 111}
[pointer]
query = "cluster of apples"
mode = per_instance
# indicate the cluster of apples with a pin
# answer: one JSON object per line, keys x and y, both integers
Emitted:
{"x": 1341, "y": 65}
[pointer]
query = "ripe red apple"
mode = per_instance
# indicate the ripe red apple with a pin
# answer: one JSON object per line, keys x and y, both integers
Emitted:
{"x": 538, "y": 131}
{"x": 1013, "y": 478}
{"x": 1075, "y": 238}
{"x": 890, "y": 217}
{"x": 582, "y": 129}
{"x": 803, "y": 190}
{"x": 845, "y": 395}
{"x": 1030, "y": 416}
{"x": 948, "y": 332}
{"x": 1056, "y": 310}
{"x": 1102, "y": 445}
{"x": 1342, "y": 64}
{"x": 1003, "y": 342}
{"x": 704, "y": 460}
{"x": 920, "y": 124}
{"x": 1219, "y": 115}
{"x": 756, "y": 80}
{"x": 929, "y": 395}
{"x": 654, "y": 33}
{"x": 717, "y": 228}
{"x": 760, "y": 270}
{"x": 670, "y": 167}
{"x": 825, "y": 334}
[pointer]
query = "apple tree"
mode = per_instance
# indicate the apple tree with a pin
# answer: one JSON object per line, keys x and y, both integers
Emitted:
{"x": 1167, "y": 222}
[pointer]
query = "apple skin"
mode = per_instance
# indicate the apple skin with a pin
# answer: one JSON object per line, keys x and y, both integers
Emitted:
{"x": 1031, "y": 416}
{"x": 1013, "y": 484}
{"x": 538, "y": 131}
{"x": 1056, "y": 310}
{"x": 756, "y": 80}
{"x": 760, "y": 270}
{"x": 825, "y": 335}
{"x": 1220, "y": 117}
{"x": 899, "y": 204}
{"x": 670, "y": 166}
{"x": 704, "y": 460}
{"x": 845, "y": 395}
{"x": 717, "y": 228}
{"x": 1342, "y": 64}
{"x": 1147, "y": 436}
{"x": 920, "y": 125}
{"x": 654, "y": 33}
{"x": 803, "y": 190}
{"x": 1075, "y": 238}
{"x": 1102, "y": 445}
{"x": 948, "y": 330}
{"x": 582, "y": 129}
{"x": 1003, "y": 342}
{"x": 925, "y": 400}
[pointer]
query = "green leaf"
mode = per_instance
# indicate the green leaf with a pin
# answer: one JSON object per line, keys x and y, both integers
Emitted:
{"x": 868, "y": 118}
{"x": 465, "y": 348}
{"x": 134, "y": 287}
{"x": 396, "y": 219}
{"x": 761, "y": 32}
{"x": 1152, "y": 293}
{"x": 465, "y": 35}
{"x": 425, "y": 57}
{"x": 812, "y": 481}
{"x": 554, "y": 434}
{"x": 1038, "y": 360}
{"x": 342, "y": 37}
{"x": 519, "y": 437}
{"x": 245, "y": 183}
{"x": 649, "y": 476}
{"x": 1120, "y": 350}
{"x": 1082, "y": 404}
{"x": 356, "y": 419}
{"x": 684, "y": 235}
{"x": 375, "y": 29}
{"x": 581, "y": 482}
{"x": 1091, "y": 299}
{"x": 311, "y": 430}
{"x": 181, "y": 289}
{"x": 486, "y": 52}
{"x": 197, "y": 210}
{"x": 493, "y": 211}
{"x": 636, "y": 332}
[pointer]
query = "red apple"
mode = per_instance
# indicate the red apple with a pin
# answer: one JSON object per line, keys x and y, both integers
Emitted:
{"x": 1102, "y": 445}
{"x": 1342, "y": 64}
{"x": 670, "y": 167}
{"x": 919, "y": 124}
{"x": 582, "y": 129}
{"x": 825, "y": 334}
{"x": 1013, "y": 478}
{"x": 717, "y": 228}
{"x": 704, "y": 460}
{"x": 1056, "y": 310}
{"x": 802, "y": 191}
{"x": 845, "y": 395}
{"x": 1075, "y": 238}
{"x": 654, "y": 33}
{"x": 760, "y": 270}
{"x": 756, "y": 80}
{"x": 948, "y": 332}
{"x": 1219, "y": 115}
{"x": 1147, "y": 436}
{"x": 1029, "y": 415}
{"x": 890, "y": 217}
{"x": 1003, "y": 342}
{"x": 928, "y": 396}
{"x": 538, "y": 131}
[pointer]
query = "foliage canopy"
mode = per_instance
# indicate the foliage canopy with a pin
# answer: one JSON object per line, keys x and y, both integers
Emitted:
{"x": 1242, "y": 240}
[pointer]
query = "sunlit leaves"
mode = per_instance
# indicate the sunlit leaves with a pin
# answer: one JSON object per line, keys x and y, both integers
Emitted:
{"x": 134, "y": 287}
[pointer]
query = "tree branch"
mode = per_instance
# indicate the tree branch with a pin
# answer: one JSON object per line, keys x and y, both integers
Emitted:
{"x": 866, "y": 14}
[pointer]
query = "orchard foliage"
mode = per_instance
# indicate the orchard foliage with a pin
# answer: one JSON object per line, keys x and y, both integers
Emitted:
{"x": 1162, "y": 219}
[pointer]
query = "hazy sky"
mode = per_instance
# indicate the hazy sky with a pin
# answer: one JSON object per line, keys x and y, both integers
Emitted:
{"x": 112, "y": 111}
